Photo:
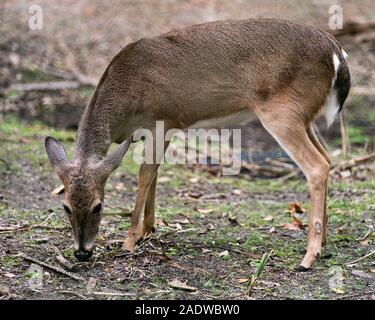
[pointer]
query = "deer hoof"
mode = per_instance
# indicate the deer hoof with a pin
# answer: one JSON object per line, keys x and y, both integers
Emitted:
{"x": 300, "y": 268}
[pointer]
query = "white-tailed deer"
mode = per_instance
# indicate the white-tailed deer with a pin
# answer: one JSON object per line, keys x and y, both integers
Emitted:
{"x": 283, "y": 72}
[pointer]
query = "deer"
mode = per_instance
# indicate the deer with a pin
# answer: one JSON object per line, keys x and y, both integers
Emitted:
{"x": 285, "y": 73}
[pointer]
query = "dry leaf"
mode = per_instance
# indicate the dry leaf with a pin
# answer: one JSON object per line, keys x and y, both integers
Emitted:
{"x": 268, "y": 218}
{"x": 224, "y": 253}
{"x": 177, "y": 284}
{"x": 195, "y": 195}
{"x": 364, "y": 242}
{"x": 9, "y": 275}
{"x": 194, "y": 179}
{"x": 336, "y": 281}
{"x": 342, "y": 229}
{"x": 272, "y": 230}
{"x": 293, "y": 226}
{"x": 237, "y": 192}
{"x": 338, "y": 290}
{"x": 243, "y": 280}
{"x": 91, "y": 284}
{"x": 205, "y": 210}
{"x": 164, "y": 179}
{"x": 120, "y": 186}
{"x": 295, "y": 207}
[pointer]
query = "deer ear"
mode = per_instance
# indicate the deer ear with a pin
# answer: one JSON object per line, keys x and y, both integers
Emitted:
{"x": 113, "y": 161}
{"x": 56, "y": 152}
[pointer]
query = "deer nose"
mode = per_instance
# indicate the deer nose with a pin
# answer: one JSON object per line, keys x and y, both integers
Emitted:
{"x": 83, "y": 255}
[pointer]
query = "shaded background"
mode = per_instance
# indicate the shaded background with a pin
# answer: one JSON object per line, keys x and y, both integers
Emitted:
{"x": 79, "y": 38}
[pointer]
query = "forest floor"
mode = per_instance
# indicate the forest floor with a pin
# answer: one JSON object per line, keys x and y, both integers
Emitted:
{"x": 211, "y": 233}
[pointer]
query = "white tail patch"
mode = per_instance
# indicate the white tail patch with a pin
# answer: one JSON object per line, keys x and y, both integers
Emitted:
{"x": 344, "y": 54}
{"x": 331, "y": 106}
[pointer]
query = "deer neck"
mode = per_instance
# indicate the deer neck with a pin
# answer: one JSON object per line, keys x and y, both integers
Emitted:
{"x": 94, "y": 132}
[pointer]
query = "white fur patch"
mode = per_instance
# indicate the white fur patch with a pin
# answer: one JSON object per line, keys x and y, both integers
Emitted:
{"x": 344, "y": 54}
{"x": 331, "y": 106}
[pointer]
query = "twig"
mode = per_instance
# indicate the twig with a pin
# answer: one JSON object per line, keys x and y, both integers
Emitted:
{"x": 74, "y": 293}
{"x": 356, "y": 295}
{"x": 29, "y": 227}
{"x": 53, "y": 268}
{"x": 123, "y": 214}
{"x": 360, "y": 259}
{"x": 45, "y": 86}
{"x": 62, "y": 260}
{"x": 115, "y": 294}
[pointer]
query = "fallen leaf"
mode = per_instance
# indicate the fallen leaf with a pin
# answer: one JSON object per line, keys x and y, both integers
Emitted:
{"x": 91, "y": 284}
{"x": 164, "y": 179}
{"x": 338, "y": 290}
{"x": 243, "y": 280}
{"x": 342, "y": 229}
{"x": 224, "y": 253}
{"x": 345, "y": 174}
{"x": 295, "y": 207}
{"x": 177, "y": 284}
{"x": 205, "y": 210}
{"x": 9, "y": 275}
{"x": 336, "y": 281}
{"x": 237, "y": 192}
{"x": 372, "y": 270}
{"x": 292, "y": 226}
{"x": 272, "y": 230}
{"x": 268, "y": 218}
{"x": 120, "y": 186}
{"x": 4, "y": 290}
{"x": 195, "y": 195}
{"x": 184, "y": 221}
{"x": 364, "y": 242}
{"x": 194, "y": 179}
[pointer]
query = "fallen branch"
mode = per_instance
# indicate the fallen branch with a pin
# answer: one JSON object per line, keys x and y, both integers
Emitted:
{"x": 345, "y": 165}
{"x": 352, "y": 28}
{"x": 360, "y": 259}
{"x": 53, "y": 268}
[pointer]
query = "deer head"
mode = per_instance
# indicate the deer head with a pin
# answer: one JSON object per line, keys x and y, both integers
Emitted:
{"x": 84, "y": 181}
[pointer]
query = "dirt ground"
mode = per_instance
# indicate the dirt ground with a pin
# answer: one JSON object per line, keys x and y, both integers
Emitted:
{"x": 211, "y": 233}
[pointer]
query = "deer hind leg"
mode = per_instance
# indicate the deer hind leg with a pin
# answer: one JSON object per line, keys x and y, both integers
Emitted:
{"x": 314, "y": 139}
{"x": 291, "y": 133}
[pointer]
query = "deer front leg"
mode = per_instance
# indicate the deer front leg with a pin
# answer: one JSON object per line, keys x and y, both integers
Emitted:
{"x": 137, "y": 231}
{"x": 149, "y": 217}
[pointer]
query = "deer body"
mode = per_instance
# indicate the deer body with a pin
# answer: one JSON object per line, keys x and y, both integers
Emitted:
{"x": 208, "y": 75}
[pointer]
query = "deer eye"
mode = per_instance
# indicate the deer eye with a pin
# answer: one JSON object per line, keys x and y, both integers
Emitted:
{"x": 97, "y": 208}
{"x": 67, "y": 210}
